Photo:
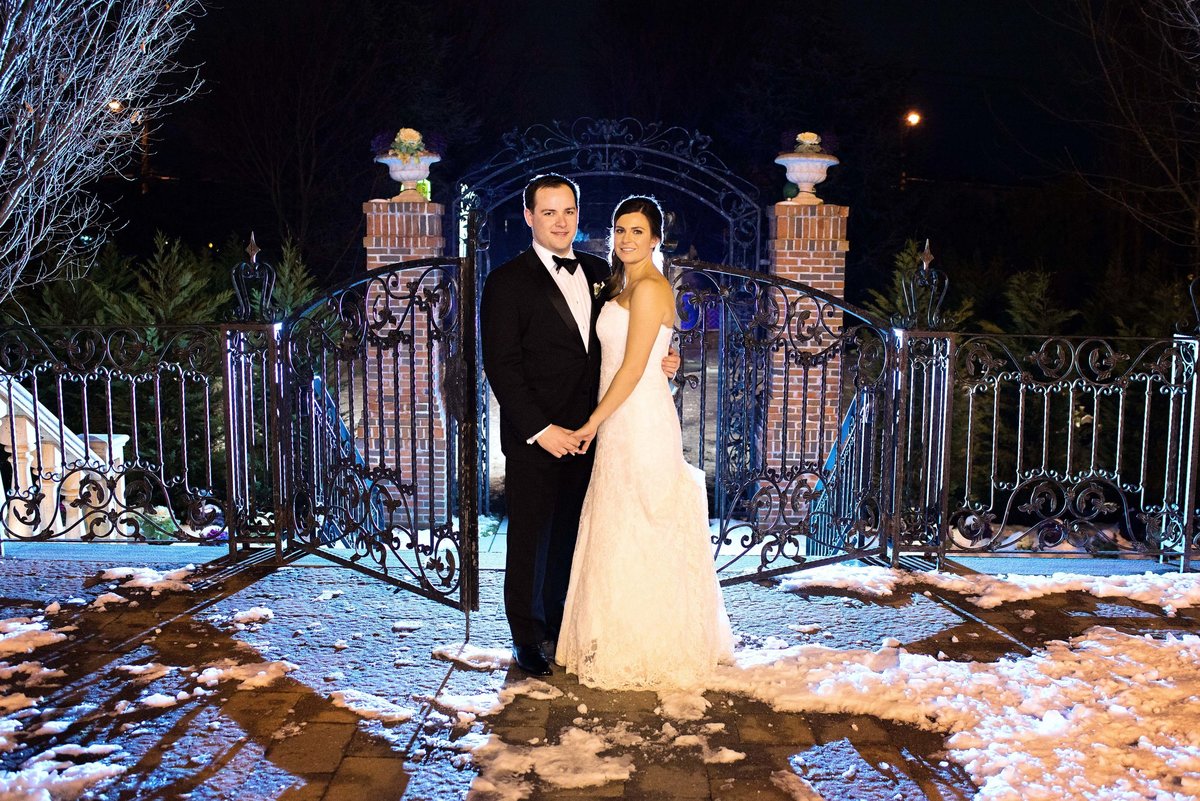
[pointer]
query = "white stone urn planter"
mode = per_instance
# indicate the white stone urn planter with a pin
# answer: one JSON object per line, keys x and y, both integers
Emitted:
{"x": 806, "y": 170}
{"x": 407, "y": 172}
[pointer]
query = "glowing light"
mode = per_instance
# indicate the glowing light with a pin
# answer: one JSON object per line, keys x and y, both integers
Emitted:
{"x": 912, "y": 118}
{"x": 116, "y": 106}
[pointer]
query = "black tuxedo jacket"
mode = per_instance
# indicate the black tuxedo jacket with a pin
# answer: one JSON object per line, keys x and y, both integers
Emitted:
{"x": 532, "y": 352}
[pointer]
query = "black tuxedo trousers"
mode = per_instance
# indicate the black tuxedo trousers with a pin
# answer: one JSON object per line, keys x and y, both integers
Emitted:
{"x": 542, "y": 374}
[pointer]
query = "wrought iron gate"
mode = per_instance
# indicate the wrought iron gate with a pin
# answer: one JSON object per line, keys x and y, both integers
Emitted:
{"x": 648, "y": 157}
{"x": 378, "y": 438}
{"x": 786, "y": 397}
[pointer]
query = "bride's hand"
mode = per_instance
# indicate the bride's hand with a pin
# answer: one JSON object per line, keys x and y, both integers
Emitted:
{"x": 585, "y": 435}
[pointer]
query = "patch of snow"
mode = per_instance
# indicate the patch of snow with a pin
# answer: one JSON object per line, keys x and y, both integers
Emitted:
{"x": 473, "y": 658}
{"x": 252, "y": 676}
{"x": 682, "y": 705}
{"x": 406, "y": 626}
{"x": 147, "y": 672}
{"x": 255, "y": 614}
{"x": 329, "y": 595}
{"x": 22, "y": 635}
{"x": 371, "y": 706}
{"x": 798, "y": 787}
{"x": 52, "y": 727}
{"x": 1169, "y": 591}
{"x": 572, "y": 763}
{"x": 158, "y": 700}
{"x": 1014, "y": 723}
{"x": 33, "y": 672}
{"x": 14, "y": 702}
{"x": 145, "y": 578}
{"x": 42, "y": 781}
{"x": 108, "y": 598}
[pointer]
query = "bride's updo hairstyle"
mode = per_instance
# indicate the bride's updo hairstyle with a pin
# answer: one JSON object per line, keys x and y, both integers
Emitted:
{"x": 648, "y": 207}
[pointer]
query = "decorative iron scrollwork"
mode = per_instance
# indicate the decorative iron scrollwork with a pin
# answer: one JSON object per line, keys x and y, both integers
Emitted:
{"x": 253, "y": 287}
{"x": 784, "y": 399}
{"x": 374, "y": 384}
{"x": 652, "y": 153}
{"x": 930, "y": 283}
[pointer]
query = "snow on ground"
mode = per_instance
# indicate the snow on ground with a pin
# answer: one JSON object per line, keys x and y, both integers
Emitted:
{"x": 252, "y": 676}
{"x": 1106, "y": 716}
{"x": 571, "y": 763}
{"x": 799, "y": 788}
{"x": 147, "y": 672}
{"x": 22, "y": 635}
{"x": 42, "y": 781}
{"x": 370, "y": 706}
{"x": 406, "y": 626}
{"x": 102, "y": 602}
{"x": 255, "y": 614}
{"x": 472, "y": 658}
{"x": 682, "y": 705}
{"x": 1170, "y": 591}
{"x": 145, "y": 578}
{"x": 8, "y": 731}
{"x": 491, "y": 702}
{"x": 1084, "y": 719}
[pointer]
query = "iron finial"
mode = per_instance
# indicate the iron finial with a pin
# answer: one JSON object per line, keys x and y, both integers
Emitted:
{"x": 253, "y": 249}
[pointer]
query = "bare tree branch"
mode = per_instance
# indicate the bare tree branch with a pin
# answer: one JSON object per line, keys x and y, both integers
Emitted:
{"x": 79, "y": 82}
{"x": 1148, "y": 55}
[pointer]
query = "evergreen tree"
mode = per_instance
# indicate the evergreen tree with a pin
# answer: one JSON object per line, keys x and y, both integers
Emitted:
{"x": 893, "y": 305}
{"x": 177, "y": 286}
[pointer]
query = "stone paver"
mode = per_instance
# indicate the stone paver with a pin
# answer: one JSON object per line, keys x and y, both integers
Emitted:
{"x": 291, "y": 742}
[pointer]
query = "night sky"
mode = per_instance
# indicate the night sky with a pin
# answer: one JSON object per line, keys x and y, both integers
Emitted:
{"x": 279, "y": 139}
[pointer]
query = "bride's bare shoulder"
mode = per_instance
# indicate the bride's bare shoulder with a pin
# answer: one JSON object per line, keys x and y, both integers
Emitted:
{"x": 652, "y": 287}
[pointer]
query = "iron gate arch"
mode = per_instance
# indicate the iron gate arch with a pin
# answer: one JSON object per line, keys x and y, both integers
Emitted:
{"x": 654, "y": 154}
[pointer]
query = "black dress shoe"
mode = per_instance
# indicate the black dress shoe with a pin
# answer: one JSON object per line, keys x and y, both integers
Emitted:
{"x": 530, "y": 659}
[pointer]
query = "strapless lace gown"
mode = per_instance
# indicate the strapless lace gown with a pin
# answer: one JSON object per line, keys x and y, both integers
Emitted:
{"x": 644, "y": 609}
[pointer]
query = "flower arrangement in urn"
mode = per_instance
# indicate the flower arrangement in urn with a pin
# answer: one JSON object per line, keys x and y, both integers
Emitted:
{"x": 806, "y": 167}
{"x": 808, "y": 142}
{"x": 405, "y": 144}
{"x": 408, "y": 163}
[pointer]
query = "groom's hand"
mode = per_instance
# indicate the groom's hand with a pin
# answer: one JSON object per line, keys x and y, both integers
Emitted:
{"x": 671, "y": 363}
{"x": 558, "y": 441}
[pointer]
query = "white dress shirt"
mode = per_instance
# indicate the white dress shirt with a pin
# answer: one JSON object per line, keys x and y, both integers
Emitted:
{"x": 574, "y": 287}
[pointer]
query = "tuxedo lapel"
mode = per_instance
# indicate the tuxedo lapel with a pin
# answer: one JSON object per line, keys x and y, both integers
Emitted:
{"x": 545, "y": 286}
{"x": 595, "y": 286}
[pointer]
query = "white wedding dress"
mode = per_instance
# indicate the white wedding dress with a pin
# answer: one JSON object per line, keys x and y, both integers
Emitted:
{"x": 644, "y": 609}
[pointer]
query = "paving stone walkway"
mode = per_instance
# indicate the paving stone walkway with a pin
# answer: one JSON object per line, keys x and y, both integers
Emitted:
{"x": 290, "y": 741}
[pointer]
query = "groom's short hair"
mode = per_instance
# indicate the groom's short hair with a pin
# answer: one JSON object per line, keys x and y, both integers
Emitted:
{"x": 547, "y": 180}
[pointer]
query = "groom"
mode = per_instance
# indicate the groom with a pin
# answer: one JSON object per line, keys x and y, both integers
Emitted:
{"x": 542, "y": 358}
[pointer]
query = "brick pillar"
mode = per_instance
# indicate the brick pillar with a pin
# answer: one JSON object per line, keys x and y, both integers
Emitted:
{"x": 808, "y": 244}
{"x": 404, "y": 392}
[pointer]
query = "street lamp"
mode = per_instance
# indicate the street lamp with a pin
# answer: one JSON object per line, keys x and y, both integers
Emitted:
{"x": 912, "y": 118}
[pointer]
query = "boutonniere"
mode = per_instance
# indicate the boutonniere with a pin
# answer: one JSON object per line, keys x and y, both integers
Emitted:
{"x": 597, "y": 288}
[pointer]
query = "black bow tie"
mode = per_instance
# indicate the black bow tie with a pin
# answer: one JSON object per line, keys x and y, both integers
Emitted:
{"x": 565, "y": 264}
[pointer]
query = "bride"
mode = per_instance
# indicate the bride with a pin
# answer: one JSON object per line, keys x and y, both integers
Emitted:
{"x": 644, "y": 609}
